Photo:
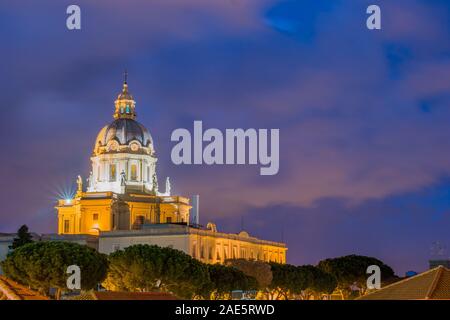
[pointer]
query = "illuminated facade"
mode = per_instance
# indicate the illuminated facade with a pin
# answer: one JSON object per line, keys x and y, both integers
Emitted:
{"x": 122, "y": 204}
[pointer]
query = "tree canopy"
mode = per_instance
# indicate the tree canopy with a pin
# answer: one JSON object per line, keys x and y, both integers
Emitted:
{"x": 350, "y": 271}
{"x": 224, "y": 280}
{"x": 299, "y": 281}
{"x": 149, "y": 268}
{"x": 43, "y": 265}
{"x": 259, "y": 270}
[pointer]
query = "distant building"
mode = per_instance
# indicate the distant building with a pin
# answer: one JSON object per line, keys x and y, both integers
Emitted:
{"x": 122, "y": 204}
{"x": 206, "y": 245}
{"x": 410, "y": 273}
{"x": 438, "y": 262}
{"x": 6, "y": 240}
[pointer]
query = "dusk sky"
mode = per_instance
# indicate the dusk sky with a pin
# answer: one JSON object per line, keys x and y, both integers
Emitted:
{"x": 364, "y": 115}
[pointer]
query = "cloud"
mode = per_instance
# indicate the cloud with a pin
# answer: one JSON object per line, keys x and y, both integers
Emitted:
{"x": 349, "y": 129}
{"x": 381, "y": 228}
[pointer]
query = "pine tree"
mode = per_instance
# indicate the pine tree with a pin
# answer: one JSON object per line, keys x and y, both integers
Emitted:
{"x": 23, "y": 237}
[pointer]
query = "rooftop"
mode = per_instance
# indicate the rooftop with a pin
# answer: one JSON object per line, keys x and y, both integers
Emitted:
{"x": 11, "y": 290}
{"x": 433, "y": 284}
{"x": 180, "y": 229}
{"x": 110, "y": 295}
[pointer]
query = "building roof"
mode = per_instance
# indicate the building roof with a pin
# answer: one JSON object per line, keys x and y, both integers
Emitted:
{"x": 112, "y": 295}
{"x": 11, "y": 290}
{"x": 433, "y": 284}
{"x": 10, "y": 236}
{"x": 124, "y": 131}
{"x": 161, "y": 229}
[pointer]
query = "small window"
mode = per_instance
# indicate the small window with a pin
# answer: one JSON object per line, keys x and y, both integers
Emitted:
{"x": 202, "y": 252}
{"x": 133, "y": 172}
{"x": 194, "y": 251}
{"x": 95, "y": 217}
{"x": 218, "y": 254}
{"x": 140, "y": 220}
{"x": 128, "y": 108}
{"x": 112, "y": 172}
{"x": 66, "y": 226}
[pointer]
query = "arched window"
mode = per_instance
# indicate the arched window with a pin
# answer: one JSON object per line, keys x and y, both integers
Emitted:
{"x": 128, "y": 108}
{"x": 112, "y": 172}
{"x": 66, "y": 226}
{"x": 133, "y": 175}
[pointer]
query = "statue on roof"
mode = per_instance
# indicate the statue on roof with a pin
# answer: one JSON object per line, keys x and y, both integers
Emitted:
{"x": 123, "y": 178}
{"x": 79, "y": 184}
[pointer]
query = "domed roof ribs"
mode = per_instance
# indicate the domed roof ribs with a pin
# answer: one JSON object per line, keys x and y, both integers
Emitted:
{"x": 124, "y": 128}
{"x": 124, "y": 131}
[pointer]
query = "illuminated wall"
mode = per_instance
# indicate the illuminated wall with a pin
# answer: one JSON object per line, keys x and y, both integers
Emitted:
{"x": 208, "y": 246}
{"x": 94, "y": 212}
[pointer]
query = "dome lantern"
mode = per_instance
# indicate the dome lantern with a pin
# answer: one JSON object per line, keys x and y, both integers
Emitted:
{"x": 125, "y": 104}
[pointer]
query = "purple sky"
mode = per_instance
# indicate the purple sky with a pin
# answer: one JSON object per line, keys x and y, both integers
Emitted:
{"x": 364, "y": 116}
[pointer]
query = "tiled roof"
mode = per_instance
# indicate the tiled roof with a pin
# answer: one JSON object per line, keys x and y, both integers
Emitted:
{"x": 112, "y": 295}
{"x": 429, "y": 285}
{"x": 11, "y": 290}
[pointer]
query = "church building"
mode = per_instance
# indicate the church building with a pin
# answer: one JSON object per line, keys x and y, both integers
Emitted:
{"x": 122, "y": 204}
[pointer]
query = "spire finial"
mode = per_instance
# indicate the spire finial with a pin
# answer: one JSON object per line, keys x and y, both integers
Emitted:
{"x": 124, "y": 105}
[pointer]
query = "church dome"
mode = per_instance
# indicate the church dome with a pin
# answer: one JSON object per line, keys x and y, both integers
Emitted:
{"x": 124, "y": 131}
{"x": 124, "y": 134}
